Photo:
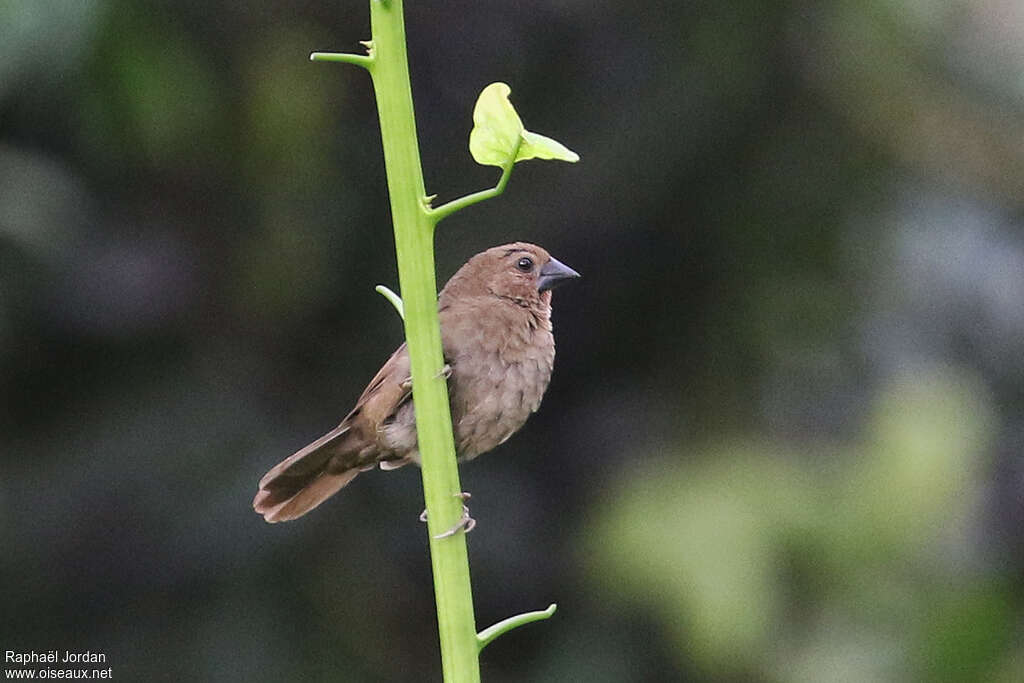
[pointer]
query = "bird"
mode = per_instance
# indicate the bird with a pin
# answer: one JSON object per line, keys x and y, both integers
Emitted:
{"x": 499, "y": 352}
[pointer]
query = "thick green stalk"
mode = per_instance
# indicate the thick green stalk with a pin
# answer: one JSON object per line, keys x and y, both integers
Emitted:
{"x": 414, "y": 222}
{"x": 414, "y": 244}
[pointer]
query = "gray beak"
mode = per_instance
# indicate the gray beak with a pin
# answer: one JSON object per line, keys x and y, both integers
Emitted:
{"x": 553, "y": 273}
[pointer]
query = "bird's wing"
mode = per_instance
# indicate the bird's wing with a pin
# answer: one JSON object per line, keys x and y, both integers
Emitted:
{"x": 386, "y": 392}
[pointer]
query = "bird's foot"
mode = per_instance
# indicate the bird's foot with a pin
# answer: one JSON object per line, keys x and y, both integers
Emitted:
{"x": 446, "y": 372}
{"x": 466, "y": 523}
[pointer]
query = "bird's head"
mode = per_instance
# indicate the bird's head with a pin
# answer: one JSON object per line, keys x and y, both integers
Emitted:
{"x": 520, "y": 272}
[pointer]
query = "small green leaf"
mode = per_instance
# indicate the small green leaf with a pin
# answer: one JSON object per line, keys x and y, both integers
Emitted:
{"x": 498, "y": 131}
{"x": 537, "y": 146}
{"x": 495, "y": 126}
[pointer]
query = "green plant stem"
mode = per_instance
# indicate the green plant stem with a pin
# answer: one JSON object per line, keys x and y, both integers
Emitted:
{"x": 451, "y": 207}
{"x": 414, "y": 246}
{"x": 358, "y": 60}
{"x": 395, "y": 300}
{"x": 414, "y": 224}
{"x": 506, "y": 625}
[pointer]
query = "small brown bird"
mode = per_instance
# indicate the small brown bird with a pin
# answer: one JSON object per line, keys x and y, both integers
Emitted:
{"x": 495, "y": 317}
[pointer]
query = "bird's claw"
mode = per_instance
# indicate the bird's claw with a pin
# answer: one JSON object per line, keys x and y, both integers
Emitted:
{"x": 446, "y": 372}
{"x": 465, "y": 522}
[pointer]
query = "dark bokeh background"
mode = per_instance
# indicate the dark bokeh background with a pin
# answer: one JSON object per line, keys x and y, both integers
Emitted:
{"x": 783, "y": 439}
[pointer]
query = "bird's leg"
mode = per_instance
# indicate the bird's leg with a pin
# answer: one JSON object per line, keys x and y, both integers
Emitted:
{"x": 465, "y": 522}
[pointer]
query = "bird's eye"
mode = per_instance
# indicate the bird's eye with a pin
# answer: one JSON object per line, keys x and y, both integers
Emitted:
{"x": 525, "y": 264}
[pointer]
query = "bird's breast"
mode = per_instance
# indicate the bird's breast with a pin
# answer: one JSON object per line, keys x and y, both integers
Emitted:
{"x": 494, "y": 390}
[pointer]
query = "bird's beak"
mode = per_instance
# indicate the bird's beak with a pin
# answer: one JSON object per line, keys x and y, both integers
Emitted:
{"x": 553, "y": 273}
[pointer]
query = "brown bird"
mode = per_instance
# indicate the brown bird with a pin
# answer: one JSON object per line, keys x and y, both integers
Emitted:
{"x": 495, "y": 317}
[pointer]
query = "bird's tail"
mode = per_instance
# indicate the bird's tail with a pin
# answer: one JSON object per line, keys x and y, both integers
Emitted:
{"x": 306, "y": 478}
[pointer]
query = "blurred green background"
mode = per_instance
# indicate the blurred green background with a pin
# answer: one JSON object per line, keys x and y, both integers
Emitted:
{"x": 783, "y": 439}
